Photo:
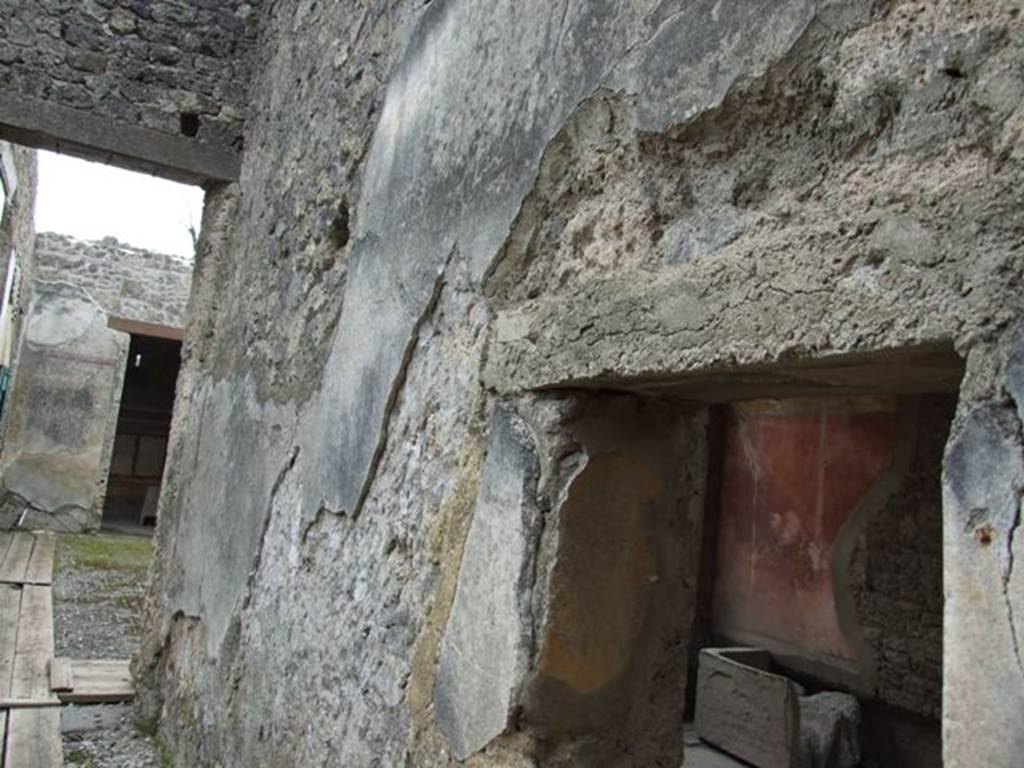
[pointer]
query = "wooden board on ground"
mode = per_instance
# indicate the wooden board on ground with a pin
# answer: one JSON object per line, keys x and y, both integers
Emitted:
{"x": 40, "y": 566}
{"x": 99, "y": 682}
{"x": 60, "y": 675}
{"x": 33, "y": 739}
{"x": 28, "y": 704}
{"x": 15, "y": 562}
{"x": 10, "y": 606}
{"x": 34, "y": 647}
{"x": 27, "y": 558}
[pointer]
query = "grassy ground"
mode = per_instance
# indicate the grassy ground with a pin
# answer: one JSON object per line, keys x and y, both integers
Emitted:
{"x": 104, "y": 552}
{"x": 99, "y": 590}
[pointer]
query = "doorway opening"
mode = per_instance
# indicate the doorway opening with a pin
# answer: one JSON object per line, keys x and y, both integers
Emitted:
{"x": 823, "y": 547}
{"x": 777, "y": 532}
{"x": 143, "y": 427}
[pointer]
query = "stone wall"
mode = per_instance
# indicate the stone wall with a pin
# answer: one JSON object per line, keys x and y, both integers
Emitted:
{"x": 448, "y": 208}
{"x": 124, "y": 281}
{"x": 896, "y": 573}
{"x": 19, "y": 183}
{"x": 17, "y": 234}
{"x": 163, "y": 69}
{"x": 63, "y": 406}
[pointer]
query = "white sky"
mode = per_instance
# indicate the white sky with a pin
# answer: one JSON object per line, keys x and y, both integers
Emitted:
{"x": 91, "y": 201}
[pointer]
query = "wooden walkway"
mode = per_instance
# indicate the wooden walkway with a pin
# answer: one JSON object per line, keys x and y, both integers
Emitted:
{"x": 27, "y": 558}
{"x": 33, "y": 684}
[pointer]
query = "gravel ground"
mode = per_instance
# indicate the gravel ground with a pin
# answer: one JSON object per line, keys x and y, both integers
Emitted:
{"x": 98, "y": 588}
{"x": 119, "y": 747}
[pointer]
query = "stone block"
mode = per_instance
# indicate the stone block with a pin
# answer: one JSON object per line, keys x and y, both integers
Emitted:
{"x": 829, "y": 731}
{"x": 748, "y": 709}
{"x": 745, "y": 709}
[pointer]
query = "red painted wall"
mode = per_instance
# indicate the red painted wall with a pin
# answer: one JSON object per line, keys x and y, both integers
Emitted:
{"x": 794, "y": 471}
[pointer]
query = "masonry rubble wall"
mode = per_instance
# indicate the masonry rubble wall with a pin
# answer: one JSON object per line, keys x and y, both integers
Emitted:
{"x": 453, "y": 210}
{"x": 63, "y": 404}
{"x": 124, "y": 281}
{"x": 896, "y": 572}
{"x": 160, "y": 77}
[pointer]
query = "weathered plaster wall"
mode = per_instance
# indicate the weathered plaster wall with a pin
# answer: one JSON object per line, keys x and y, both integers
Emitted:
{"x": 67, "y": 381}
{"x": 63, "y": 405}
{"x": 160, "y": 76}
{"x": 18, "y": 183}
{"x": 983, "y": 482}
{"x": 446, "y": 206}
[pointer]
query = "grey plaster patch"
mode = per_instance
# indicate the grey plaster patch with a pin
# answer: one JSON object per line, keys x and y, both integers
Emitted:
{"x": 904, "y": 238}
{"x": 700, "y": 51}
{"x": 983, "y": 479}
{"x": 60, "y": 314}
{"x": 1014, "y": 369}
{"x": 983, "y": 473}
{"x": 486, "y": 646}
{"x": 50, "y": 485}
{"x": 215, "y": 553}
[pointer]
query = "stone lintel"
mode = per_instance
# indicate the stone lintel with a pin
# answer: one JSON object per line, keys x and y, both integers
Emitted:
{"x": 39, "y": 124}
{"x": 141, "y": 328}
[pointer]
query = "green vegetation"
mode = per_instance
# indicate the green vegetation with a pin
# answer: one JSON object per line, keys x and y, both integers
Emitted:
{"x": 146, "y": 727}
{"x": 166, "y": 761}
{"x": 107, "y": 552}
{"x": 80, "y": 757}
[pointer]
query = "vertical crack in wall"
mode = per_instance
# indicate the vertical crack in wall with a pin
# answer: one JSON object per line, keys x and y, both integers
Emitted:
{"x": 1011, "y": 534}
{"x": 278, "y": 482}
{"x": 1007, "y": 575}
{"x": 234, "y": 662}
{"x": 536, "y": 527}
{"x": 399, "y": 381}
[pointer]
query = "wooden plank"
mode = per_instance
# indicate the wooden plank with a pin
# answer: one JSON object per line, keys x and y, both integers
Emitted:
{"x": 40, "y": 566}
{"x": 29, "y": 703}
{"x": 10, "y": 607}
{"x": 61, "y": 678}
{"x": 33, "y": 739}
{"x": 34, "y": 647}
{"x": 12, "y": 569}
{"x": 98, "y": 682}
{"x": 33, "y": 733}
